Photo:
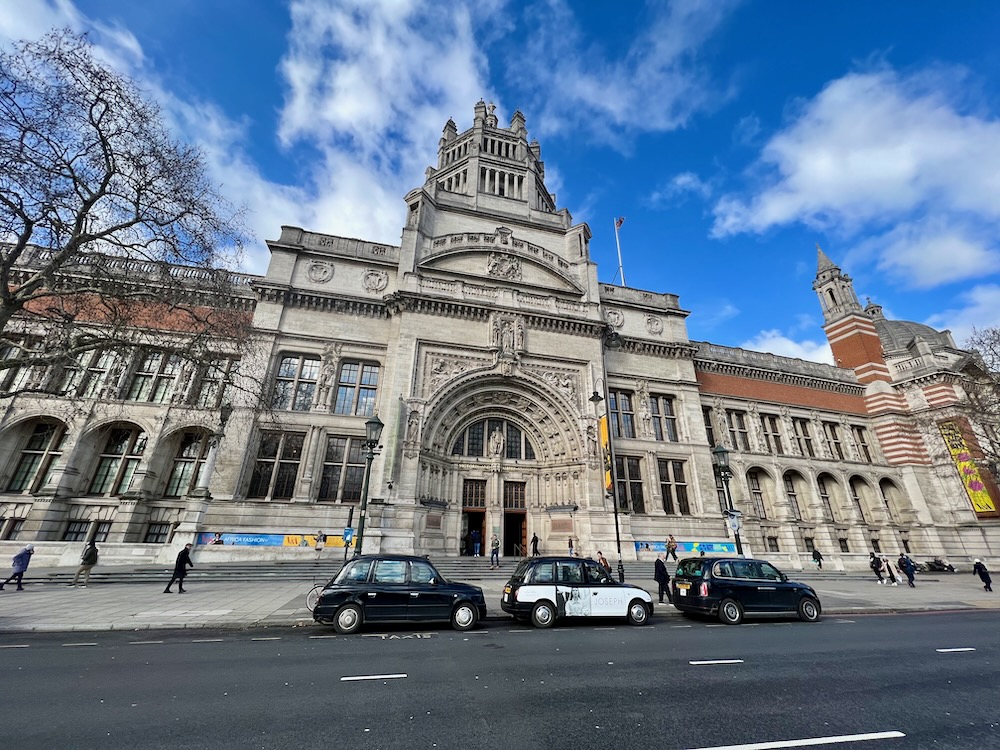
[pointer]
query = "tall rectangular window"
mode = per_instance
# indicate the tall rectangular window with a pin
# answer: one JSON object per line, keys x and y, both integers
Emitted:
{"x": 661, "y": 409}
{"x": 756, "y": 494}
{"x": 98, "y": 367}
{"x": 474, "y": 493}
{"x": 706, "y": 415}
{"x": 856, "y": 499}
{"x": 37, "y": 458}
{"x": 621, "y": 414}
{"x": 514, "y": 495}
{"x": 736, "y": 421}
{"x": 154, "y": 378}
{"x": 793, "y": 497}
{"x": 771, "y": 426}
{"x": 343, "y": 470}
{"x": 356, "y": 389}
{"x": 673, "y": 487}
{"x": 629, "y": 473}
{"x": 277, "y": 465}
{"x": 824, "y": 498}
{"x": 803, "y": 437}
{"x": 720, "y": 491}
{"x": 188, "y": 462}
{"x": 860, "y": 436}
{"x": 831, "y": 435}
{"x": 213, "y": 382}
{"x": 118, "y": 461}
{"x": 295, "y": 382}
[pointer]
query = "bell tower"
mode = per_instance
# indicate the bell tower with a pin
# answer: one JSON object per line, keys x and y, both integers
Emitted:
{"x": 851, "y": 333}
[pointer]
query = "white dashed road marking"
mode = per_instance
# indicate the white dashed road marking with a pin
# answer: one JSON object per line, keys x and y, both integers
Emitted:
{"x": 143, "y": 643}
{"x": 78, "y": 644}
{"x": 809, "y": 742}
{"x": 708, "y": 662}
{"x": 952, "y": 650}
{"x": 318, "y": 637}
{"x": 207, "y": 640}
{"x": 16, "y": 645}
{"x": 357, "y": 678}
{"x": 273, "y": 638}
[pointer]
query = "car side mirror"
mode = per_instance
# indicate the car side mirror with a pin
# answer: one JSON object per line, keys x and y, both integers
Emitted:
{"x": 433, "y": 582}
{"x": 784, "y": 578}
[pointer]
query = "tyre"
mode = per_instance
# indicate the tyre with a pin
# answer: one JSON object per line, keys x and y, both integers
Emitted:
{"x": 730, "y": 612}
{"x": 312, "y": 598}
{"x": 348, "y": 619}
{"x": 638, "y": 613}
{"x": 543, "y": 615}
{"x": 809, "y": 609}
{"x": 464, "y": 616}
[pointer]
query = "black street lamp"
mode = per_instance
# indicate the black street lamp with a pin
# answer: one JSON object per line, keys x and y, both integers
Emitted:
{"x": 720, "y": 458}
{"x": 373, "y": 431}
{"x": 611, "y": 340}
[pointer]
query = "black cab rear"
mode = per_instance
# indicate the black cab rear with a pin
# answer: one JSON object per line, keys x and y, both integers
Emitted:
{"x": 731, "y": 587}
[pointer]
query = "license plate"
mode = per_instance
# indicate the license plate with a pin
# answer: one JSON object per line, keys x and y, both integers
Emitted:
{"x": 683, "y": 586}
{"x": 682, "y": 592}
{"x": 506, "y": 589}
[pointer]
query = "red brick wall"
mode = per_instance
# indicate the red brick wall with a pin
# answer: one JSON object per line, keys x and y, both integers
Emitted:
{"x": 779, "y": 393}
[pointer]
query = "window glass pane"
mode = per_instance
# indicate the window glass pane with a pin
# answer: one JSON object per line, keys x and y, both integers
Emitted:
{"x": 390, "y": 571}
{"x": 421, "y": 572}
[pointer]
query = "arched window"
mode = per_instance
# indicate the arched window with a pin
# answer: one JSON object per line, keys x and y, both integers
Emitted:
{"x": 493, "y": 437}
{"x": 792, "y": 483}
{"x": 118, "y": 460}
{"x": 43, "y": 447}
{"x": 192, "y": 448}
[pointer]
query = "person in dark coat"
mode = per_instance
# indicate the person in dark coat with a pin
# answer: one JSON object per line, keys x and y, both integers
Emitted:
{"x": 818, "y": 558}
{"x": 476, "y": 542}
{"x": 534, "y": 545}
{"x": 87, "y": 562}
{"x": 180, "y": 570}
{"x": 876, "y": 565}
{"x": 20, "y": 564}
{"x": 661, "y": 576}
{"x": 906, "y": 565}
{"x": 980, "y": 570}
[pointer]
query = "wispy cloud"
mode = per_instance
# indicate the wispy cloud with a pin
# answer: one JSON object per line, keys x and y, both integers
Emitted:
{"x": 980, "y": 309}
{"x": 776, "y": 342}
{"x": 678, "y": 188}
{"x": 902, "y": 159}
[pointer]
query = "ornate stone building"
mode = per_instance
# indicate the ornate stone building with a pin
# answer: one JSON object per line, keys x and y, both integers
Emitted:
{"x": 482, "y": 343}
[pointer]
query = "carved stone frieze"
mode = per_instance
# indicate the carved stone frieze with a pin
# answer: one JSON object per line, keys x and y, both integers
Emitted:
{"x": 319, "y": 272}
{"x": 654, "y": 325}
{"x": 504, "y": 266}
{"x": 375, "y": 281}
{"x": 615, "y": 318}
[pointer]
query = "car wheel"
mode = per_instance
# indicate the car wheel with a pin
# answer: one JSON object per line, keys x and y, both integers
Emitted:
{"x": 463, "y": 617}
{"x": 730, "y": 612}
{"x": 543, "y": 615}
{"x": 348, "y": 619}
{"x": 638, "y": 614}
{"x": 808, "y": 609}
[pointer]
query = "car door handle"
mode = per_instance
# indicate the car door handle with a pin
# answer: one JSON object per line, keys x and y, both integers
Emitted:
{"x": 414, "y": 594}
{"x": 371, "y": 594}
{"x": 767, "y": 588}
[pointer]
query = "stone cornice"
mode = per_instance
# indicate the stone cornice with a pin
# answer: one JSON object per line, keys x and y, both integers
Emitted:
{"x": 283, "y": 295}
{"x": 773, "y": 376}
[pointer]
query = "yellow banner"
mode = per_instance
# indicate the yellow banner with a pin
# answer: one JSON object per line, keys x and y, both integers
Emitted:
{"x": 606, "y": 452}
{"x": 967, "y": 469}
{"x": 309, "y": 540}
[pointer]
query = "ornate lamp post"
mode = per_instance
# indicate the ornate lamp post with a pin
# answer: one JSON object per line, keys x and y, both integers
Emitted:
{"x": 373, "y": 431}
{"x": 720, "y": 458}
{"x": 611, "y": 340}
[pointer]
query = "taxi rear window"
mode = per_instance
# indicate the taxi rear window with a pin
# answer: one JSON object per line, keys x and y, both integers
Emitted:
{"x": 518, "y": 575}
{"x": 689, "y": 568}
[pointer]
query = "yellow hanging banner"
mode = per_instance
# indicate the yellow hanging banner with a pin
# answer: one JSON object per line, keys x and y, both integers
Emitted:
{"x": 979, "y": 496}
{"x": 606, "y": 452}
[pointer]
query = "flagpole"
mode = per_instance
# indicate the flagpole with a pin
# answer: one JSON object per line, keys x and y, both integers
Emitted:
{"x": 621, "y": 269}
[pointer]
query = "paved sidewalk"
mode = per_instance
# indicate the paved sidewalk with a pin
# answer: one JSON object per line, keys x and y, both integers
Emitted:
{"x": 215, "y": 603}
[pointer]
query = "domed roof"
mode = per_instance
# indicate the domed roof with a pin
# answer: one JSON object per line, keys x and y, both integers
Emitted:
{"x": 900, "y": 335}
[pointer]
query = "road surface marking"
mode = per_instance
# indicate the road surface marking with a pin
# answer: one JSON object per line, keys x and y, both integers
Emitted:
{"x": 315, "y": 637}
{"x": 356, "y": 678}
{"x": 272, "y": 638}
{"x": 207, "y": 640}
{"x": 952, "y": 650}
{"x": 810, "y": 742}
{"x": 682, "y": 626}
{"x": 143, "y": 643}
{"x": 78, "y": 644}
{"x": 844, "y": 621}
{"x": 605, "y": 628}
{"x": 17, "y": 645}
{"x": 521, "y": 631}
{"x": 708, "y": 662}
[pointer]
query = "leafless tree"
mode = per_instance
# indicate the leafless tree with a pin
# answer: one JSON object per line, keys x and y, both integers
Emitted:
{"x": 984, "y": 390}
{"x": 111, "y": 233}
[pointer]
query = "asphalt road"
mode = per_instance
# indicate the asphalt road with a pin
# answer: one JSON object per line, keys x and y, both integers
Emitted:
{"x": 608, "y": 686}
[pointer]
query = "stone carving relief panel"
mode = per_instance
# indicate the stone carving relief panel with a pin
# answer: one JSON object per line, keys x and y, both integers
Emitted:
{"x": 504, "y": 266}
{"x": 615, "y": 318}
{"x": 375, "y": 281}
{"x": 319, "y": 272}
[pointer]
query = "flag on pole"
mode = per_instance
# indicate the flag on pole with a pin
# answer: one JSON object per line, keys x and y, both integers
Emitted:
{"x": 619, "y": 221}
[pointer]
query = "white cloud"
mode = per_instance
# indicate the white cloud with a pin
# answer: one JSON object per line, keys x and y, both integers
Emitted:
{"x": 680, "y": 186}
{"x": 656, "y": 85}
{"x": 716, "y": 314}
{"x": 775, "y": 342}
{"x": 883, "y": 154}
{"x": 981, "y": 309}
{"x": 746, "y": 131}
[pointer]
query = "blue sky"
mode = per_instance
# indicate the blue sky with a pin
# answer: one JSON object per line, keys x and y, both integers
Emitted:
{"x": 733, "y": 136}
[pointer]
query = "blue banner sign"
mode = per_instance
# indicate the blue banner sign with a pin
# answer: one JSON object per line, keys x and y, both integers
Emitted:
{"x": 689, "y": 548}
{"x": 270, "y": 540}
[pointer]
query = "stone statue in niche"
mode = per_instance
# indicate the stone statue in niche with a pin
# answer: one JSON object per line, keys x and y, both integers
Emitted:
{"x": 642, "y": 406}
{"x": 412, "y": 427}
{"x": 497, "y": 443}
{"x": 519, "y": 336}
{"x": 328, "y": 373}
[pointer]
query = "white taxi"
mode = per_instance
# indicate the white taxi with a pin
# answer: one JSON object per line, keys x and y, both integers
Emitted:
{"x": 547, "y": 588}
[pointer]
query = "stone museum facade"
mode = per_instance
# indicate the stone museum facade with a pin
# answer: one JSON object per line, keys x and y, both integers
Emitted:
{"x": 491, "y": 352}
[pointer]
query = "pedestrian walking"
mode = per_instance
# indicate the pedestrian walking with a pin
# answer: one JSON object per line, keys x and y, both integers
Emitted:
{"x": 180, "y": 570}
{"x": 534, "y": 545}
{"x": 906, "y": 565}
{"x": 662, "y": 577}
{"x": 672, "y": 547}
{"x": 87, "y": 561}
{"x": 890, "y": 569}
{"x": 476, "y": 542}
{"x": 494, "y": 552}
{"x": 603, "y": 561}
{"x": 320, "y": 543}
{"x": 20, "y": 564}
{"x": 818, "y": 558}
{"x": 571, "y": 546}
{"x": 979, "y": 569}
{"x": 876, "y": 565}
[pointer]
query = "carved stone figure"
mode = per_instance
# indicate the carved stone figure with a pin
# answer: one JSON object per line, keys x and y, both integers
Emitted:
{"x": 497, "y": 442}
{"x": 412, "y": 427}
